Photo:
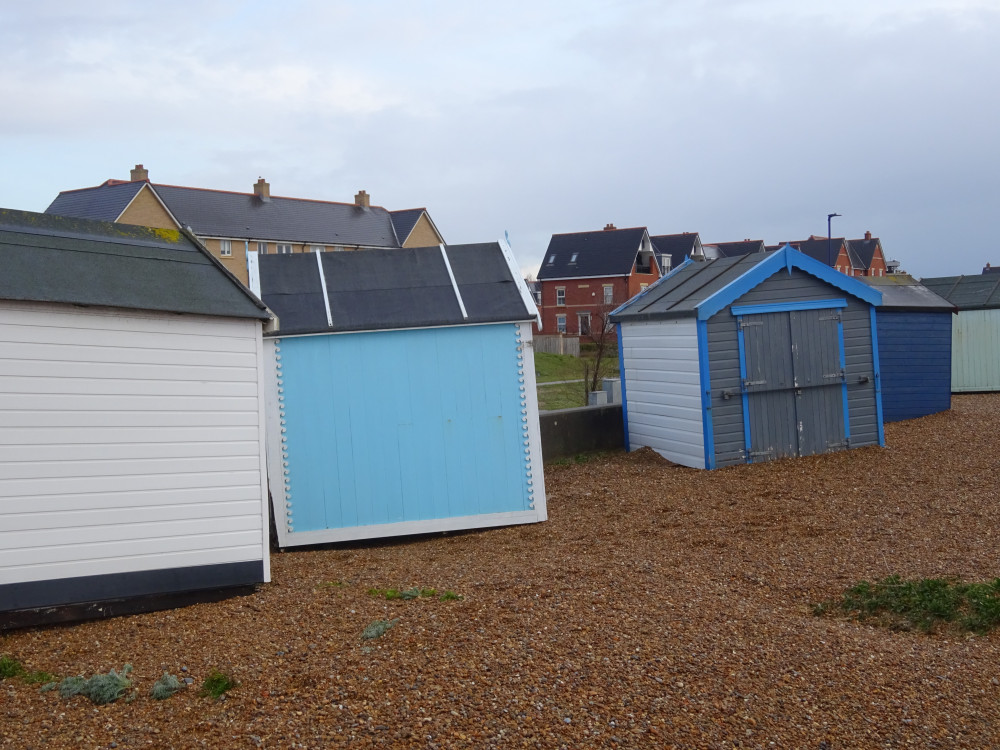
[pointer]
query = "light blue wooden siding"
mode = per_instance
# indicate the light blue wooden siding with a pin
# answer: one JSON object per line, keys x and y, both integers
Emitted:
{"x": 662, "y": 389}
{"x": 976, "y": 351}
{"x": 399, "y": 426}
{"x": 914, "y": 350}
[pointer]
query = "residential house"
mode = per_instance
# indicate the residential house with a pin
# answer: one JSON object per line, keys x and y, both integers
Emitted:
{"x": 229, "y": 224}
{"x": 862, "y": 257}
{"x": 732, "y": 249}
{"x": 585, "y": 275}
{"x": 673, "y": 249}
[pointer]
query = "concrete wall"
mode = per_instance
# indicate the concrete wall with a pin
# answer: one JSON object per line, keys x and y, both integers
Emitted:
{"x": 568, "y": 432}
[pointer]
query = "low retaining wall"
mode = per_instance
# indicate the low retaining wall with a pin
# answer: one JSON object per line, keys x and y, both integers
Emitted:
{"x": 568, "y": 432}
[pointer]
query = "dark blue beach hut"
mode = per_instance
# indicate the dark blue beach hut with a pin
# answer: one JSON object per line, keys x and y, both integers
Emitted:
{"x": 914, "y": 347}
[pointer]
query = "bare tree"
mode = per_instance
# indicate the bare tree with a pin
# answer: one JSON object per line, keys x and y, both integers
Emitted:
{"x": 602, "y": 334}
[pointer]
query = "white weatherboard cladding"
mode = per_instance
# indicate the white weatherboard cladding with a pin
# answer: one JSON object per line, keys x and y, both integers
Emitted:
{"x": 128, "y": 442}
{"x": 663, "y": 389}
{"x": 975, "y": 358}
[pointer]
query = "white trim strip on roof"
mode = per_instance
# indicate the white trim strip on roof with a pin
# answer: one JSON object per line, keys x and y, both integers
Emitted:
{"x": 522, "y": 286}
{"x": 322, "y": 284}
{"x": 454, "y": 284}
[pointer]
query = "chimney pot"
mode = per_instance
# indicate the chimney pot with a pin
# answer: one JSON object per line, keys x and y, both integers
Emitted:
{"x": 139, "y": 174}
{"x": 609, "y": 227}
{"x": 262, "y": 190}
{"x": 362, "y": 199}
{"x": 868, "y": 235}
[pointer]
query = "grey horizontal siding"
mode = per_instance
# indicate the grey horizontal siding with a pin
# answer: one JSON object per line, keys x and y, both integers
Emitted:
{"x": 727, "y": 405}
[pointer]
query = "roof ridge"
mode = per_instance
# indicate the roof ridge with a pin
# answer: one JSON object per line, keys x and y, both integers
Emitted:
{"x": 251, "y": 195}
{"x": 598, "y": 231}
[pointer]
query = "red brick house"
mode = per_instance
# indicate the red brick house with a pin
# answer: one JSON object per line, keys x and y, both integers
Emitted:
{"x": 585, "y": 275}
{"x": 862, "y": 257}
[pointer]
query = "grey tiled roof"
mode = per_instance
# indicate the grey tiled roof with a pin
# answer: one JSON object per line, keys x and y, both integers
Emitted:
{"x": 102, "y": 203}
{"x": 677, "y": 246}
{"x": 58, "y": 259}
{"x": 903, "y": 292}
{"x": 734, "y": 249}
{"x": 607, "y": 252}
{"x": 382, "y": 289}
{"x": 218, "y": 213}
{"x": 404, "y": 221}
{"x": 967, "y": 292}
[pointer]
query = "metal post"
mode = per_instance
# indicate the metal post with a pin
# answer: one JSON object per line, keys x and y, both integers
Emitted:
{"x": 829, "y": 240}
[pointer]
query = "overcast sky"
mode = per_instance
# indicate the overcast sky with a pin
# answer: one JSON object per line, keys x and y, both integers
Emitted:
{"x": 733, "y": 119}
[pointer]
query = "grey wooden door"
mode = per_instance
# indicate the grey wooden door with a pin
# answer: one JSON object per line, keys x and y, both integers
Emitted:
{"x": 794, "y": 384}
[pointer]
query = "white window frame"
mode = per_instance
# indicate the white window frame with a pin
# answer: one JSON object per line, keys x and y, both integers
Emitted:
{"x": 609, "y": 294}
{"x": 560, "y": 296}
{"x": 580, "y": 317}
{"x": 262, "y": 248}
{"x": 226, "y": 248}
{"x": 283, "y": 248}
{"x": 560, "y": 324}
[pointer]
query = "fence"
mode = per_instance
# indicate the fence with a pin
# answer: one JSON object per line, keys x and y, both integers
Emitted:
{"x": 558, "y": 344}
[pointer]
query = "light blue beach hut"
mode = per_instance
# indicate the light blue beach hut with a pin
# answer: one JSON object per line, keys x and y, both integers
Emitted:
{"x": 404, "y": 393}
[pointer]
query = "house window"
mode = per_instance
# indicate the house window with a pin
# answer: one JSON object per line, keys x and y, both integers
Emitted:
{"x": 283, "y": 249}
{"x": 560, "y": 295}
{"x": 552, "y": 259}
{"x": 560, "y": 324}
{"x": 573, "y": 258}
{"x": 262, "y": 248}
{"x": 584, "y": 320}
{"x": 609, "y": 294}
{"x": 643, "y": 287}
{"x": 226, "y": 248}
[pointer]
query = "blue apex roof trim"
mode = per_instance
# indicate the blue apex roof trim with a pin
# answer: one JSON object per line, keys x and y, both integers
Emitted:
{"x": 787, "y": 258}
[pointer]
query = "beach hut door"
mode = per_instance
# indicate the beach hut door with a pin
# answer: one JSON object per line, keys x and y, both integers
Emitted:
{"x": 794, "y": 391}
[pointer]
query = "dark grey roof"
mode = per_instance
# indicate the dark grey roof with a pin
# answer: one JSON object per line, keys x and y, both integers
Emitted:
{"x": 606, "y": 252}
{"x": 967, "y": 292}
{"x": 903, "y": 292}
{"x": 682, "y": 292}
{"x": 404, "y": 221}
{"x": 677, "y": 246}
{"x": 387, "y": 289}
{"x": 734, "y": 249}
{"x": 991, "y": 269}
{"x": 823, "y": 250}
{"x": 864, "y": 250}
{"x": 217, "y": 213}
{"x": 57, "y": 259}
{"x": 214, "y": 213}
{"x": 679, "y": 294}
{"x": 102, "y": 203}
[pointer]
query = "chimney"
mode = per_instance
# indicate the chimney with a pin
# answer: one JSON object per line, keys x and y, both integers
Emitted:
{"x": 139, "y": 174}
{"x": 262, "y": 190}
{"x": 609, "y": 227}
{"x": 868, "y": 236}
{"x": 362, "y": 200}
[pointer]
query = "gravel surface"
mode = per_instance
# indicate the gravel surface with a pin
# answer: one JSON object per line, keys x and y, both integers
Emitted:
{"x": 659, "y": 607}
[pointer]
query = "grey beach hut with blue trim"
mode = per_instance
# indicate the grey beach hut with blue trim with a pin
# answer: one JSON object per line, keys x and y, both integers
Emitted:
{"x": 747, "y": 359}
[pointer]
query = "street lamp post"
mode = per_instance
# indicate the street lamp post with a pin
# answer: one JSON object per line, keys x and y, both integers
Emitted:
{"x": 829, "y": 240}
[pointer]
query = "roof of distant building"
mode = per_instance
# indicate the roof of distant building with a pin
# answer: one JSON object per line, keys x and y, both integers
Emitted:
{"x": 606, "y": 252}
